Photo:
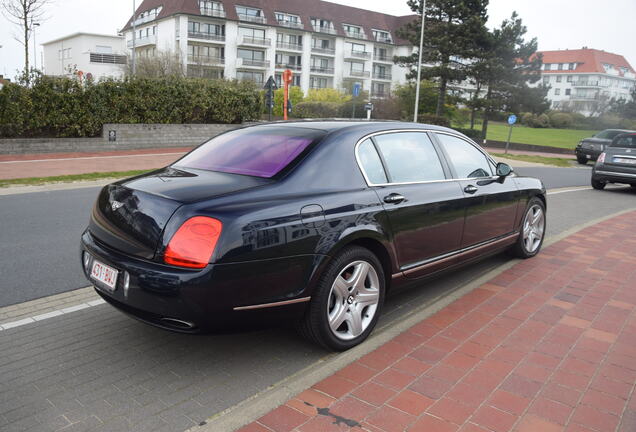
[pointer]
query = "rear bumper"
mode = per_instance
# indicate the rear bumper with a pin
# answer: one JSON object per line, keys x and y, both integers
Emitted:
{"x": 218, "y": 297}
{"x": 608, "y": 175}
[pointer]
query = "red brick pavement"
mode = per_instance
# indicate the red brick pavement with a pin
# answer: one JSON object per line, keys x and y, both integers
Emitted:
{"x": 548, "y": 345}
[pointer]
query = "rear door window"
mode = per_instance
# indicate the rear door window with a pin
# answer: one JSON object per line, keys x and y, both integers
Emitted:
{"x": 409, "y": 157}
{"x": 259, "y": 152}
{"x": 371, "y": 163}
{"x": 467, "y": 160}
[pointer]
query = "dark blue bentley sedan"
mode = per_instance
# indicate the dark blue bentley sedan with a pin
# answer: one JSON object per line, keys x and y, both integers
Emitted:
{"x": 307, "y": 221}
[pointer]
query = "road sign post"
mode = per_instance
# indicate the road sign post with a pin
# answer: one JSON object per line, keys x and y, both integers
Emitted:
{"x": 511, "y": 121}
{"x": 287, "y": 79}
{"x": 270, "y": 86}
{"x": 356, "y": 92}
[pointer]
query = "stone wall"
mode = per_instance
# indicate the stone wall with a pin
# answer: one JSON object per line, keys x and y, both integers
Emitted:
{"x": 120, "y": 137}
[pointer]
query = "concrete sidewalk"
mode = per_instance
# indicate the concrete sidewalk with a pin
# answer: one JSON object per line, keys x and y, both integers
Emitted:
{"x": 548, "y": 345}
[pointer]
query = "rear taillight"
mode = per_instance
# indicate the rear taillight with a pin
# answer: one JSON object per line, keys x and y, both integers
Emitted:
{"x": 601, "y": 158}
{"x": 193, "y": 244}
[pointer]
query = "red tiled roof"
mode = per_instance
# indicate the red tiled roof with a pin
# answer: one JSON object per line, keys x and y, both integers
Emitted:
{"x": 306, "y": 9}
{"x": 588, "y": 60}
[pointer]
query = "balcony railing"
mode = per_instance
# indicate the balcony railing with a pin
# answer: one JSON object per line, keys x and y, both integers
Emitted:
{"x": 291, "y": 24}
{"x": 108, "y": 58}
{"x": 206, "y": 36}
{"x": 289, "y": 46}
{"x": 294, "y": 67}
{"x": 261, "y": 64}
{"x": 355, "y": 34}
{"x": 252, "y": 18}
{"x": 584, "y": 97}
{"x": 384, "y": 39}
{"x": 146, "y": 18}
{"x": 206, "y": 60}
{"x": 213, "y": 12}
{"x": 146, "y": 40}
{"x": 359, "y": 74}
{"x": 321, "y": 50}
{"x": 248, "y": 40}
{"x": 359, "y": 54}
{"x": 383, "y": 58}
{"x": 382, "y": 75}
{"x": 328, "y": 30}
{"x": 380, "y": 94}
{"x": 588, "y": 83}
{"x": 322, "y": 70}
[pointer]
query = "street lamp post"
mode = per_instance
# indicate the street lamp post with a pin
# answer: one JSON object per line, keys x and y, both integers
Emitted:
{"x": 134, "y": 40}
{"x": 419, "y": 66}
{"x": 35, "y": 49}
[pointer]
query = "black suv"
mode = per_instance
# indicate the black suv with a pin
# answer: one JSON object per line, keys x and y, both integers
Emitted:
{"x": 617, "y": 164}
{"x": 591, "y": 148}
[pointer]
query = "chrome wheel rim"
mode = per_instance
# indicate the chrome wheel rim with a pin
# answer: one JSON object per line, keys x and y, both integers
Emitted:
{"x": 533, "y": 228}
{"x": 353, "y": 300}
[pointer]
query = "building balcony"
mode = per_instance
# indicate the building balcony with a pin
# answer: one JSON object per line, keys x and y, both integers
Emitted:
{"x": 252, "y": 64}
{"x": 322, "y": 70}
{"x": 144, "y": 41}
{"x": 252, "y": 18}
{"x": 382, "y": 76}
{"x": 584, "y": 97}
{"x": 248, "y": 40}
{"x": 208, "y": 37}
{"x": 380, "y": 93}
{"x": 288, "y": 46}
{"x": 146, "y": 18}
{"x": 386, "y": 40}
{"x": 588, "y": 83}
{"x": 358, "y": 74}
{"x": 293, "y": 67}
{"x": 213, "y": 12}
{"x": 364, "y": 55}
{"x": 328, "y": 30}
{"x": 291, "y": 24}
{"x": 206, "y": 60}
{"x": 327, "y": 51}
{"x": 355, "y": 35}
{"x": 383, "y": 58}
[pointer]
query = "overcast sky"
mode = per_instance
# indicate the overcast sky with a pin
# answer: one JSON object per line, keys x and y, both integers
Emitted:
{"x": 558, "y": 24}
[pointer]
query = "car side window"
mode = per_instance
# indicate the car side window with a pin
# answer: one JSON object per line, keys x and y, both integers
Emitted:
{"x": 371, "y": 163}
{"x": 467, "y": 160}
{"x": 628, "y": 141}
{"x": 410, "y": 157}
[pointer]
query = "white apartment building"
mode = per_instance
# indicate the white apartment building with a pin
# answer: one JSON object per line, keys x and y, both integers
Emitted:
{"x": 581, "y": 80}
{"x": 326, "y": 45}
{"x": 95, "y": 55}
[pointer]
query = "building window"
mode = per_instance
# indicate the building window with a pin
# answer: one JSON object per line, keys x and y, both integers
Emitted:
{"x": 258, "y": 34}
{"x": 252, "y": 55}
{"x": 569, "y": 78}
{"x": 288, "y": 61}
{"x": 250, "y": 14}
{"x": 284, "y": 40}
{"x": 211, "y": 8}
{"x": 206, "y": 30}
{"x": 353, "y": 31}
{"x": 64, "y": 54}
{"x": 557, "y": 92}
{"x": 560, "y": 66}
{"x": 257, "y": 77}
{"x": 572, "y": 66}
{"x": 559, "y": 78}
{"x": 322, "y": 25}
{"x": 295, "y": 80}
{"x": 382, "y": 36}
{"x": 568, "y": 91}
{"x": 546, "y": 66}
{"x": 318, "y": 82}
{"x": 288, "y": 20}
{"x": 546, "y": 80}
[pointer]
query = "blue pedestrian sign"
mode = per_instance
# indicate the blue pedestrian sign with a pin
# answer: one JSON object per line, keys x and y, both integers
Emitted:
{"x": 512, "y": 119}
{"x": 356, "y": 89}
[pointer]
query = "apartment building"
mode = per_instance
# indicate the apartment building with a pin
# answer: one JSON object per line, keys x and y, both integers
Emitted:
{"x": 95, "y": 55}
{"x": 326, "y": 45}
{"x": 582, "y": 79}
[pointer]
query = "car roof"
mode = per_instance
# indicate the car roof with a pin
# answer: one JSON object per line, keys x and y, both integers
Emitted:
{"x": 365, "y": 126}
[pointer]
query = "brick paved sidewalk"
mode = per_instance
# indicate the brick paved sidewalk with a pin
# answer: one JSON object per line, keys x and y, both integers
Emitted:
{"x": 548, "y": 345}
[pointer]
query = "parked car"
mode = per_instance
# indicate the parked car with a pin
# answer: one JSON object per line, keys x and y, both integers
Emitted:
{"x": 617, "y": 164}
{"x": 306, "y": 221}
{"x": 591, "y": 148}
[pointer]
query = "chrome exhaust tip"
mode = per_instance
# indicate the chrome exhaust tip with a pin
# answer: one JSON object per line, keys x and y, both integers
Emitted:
{"x": 180, "y": 324}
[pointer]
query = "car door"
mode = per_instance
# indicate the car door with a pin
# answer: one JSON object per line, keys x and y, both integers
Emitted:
{"x": 491, "y": 202}
{"x": 424, "y": 206}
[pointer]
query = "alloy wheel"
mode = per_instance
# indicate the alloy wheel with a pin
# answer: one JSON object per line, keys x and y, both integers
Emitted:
{"x": 533, "y": 228}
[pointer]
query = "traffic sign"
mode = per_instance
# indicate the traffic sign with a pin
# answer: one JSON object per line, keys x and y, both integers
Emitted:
{"x": 356, "y": 89}
{"x": 270, "y": 84}
{"x": 512, "y": 119}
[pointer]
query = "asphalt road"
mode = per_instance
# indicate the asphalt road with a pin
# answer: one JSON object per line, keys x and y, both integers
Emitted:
{"x": 103, "y": 371}
{"x": 40, "y": 236}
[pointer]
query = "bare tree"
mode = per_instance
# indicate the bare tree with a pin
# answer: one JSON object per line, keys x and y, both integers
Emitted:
{"x": 24, "y": 13}
{"x": 158, "y": 65}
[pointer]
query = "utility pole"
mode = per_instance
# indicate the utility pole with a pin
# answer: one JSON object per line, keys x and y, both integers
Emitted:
{"x": 419, "y": 66}
{"x": 35, "y": 52}
{"x": 134, "y": 47}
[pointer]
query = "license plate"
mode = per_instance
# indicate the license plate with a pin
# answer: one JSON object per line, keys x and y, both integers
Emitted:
{"x": 588, "y": 156}
{"x": 104, "y": 274}
{"x": 625, "y": 161}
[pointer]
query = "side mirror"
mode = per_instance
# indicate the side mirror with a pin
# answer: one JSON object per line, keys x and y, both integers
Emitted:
{"x": 503, "y": 170}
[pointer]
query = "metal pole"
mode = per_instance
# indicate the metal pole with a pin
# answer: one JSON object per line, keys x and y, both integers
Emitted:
{"x": 509, "y": 136}
{"x": 134, "y": 46}
{"x": 35, "y": 57}
{"x": 419, "y": 66}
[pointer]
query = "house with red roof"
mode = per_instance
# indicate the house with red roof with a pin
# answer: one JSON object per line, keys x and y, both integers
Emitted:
{"x": 584, "y": 80}
{"x": 324, "y": 44}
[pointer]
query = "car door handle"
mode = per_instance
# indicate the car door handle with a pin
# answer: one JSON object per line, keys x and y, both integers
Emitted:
{"x": 394, "y": 198}
{"x": 471, "y": 189}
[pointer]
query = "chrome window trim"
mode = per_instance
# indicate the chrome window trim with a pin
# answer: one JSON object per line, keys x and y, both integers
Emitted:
{"x": 624, "y": 156}
{"x": 615, "y": 174}
{"x": 374, "y": 134}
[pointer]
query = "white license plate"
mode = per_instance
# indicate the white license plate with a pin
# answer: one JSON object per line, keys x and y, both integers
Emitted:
{"x": 588, "y": 156}
{"x": 625, "y": 161}
{"x": 104, "y": 274}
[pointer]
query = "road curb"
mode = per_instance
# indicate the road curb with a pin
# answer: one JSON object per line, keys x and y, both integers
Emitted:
{"x": 263, "y": 402}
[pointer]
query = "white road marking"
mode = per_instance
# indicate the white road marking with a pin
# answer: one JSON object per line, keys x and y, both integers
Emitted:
{"x": 52, "y": 314}
{"x": 569, "y": 190}
{"x": 93, "y": 157}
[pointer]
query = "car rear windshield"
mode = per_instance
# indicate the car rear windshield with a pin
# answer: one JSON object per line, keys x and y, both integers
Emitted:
{"x": 627, "y": 141}
{"x": 259, "y": 152}
{"x": 608, "y": 134}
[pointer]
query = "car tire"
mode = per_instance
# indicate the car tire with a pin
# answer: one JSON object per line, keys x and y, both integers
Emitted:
{"x": 532, "y": 232}
{"x": 597, "y": 184}
{"x": 338, "y": 323}
{"x": 582, "y": 160}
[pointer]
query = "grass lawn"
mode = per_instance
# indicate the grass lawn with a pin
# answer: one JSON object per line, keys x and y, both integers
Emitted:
{"x": 560, "y": 162}
{"x": 33, "y": 181}
{"x": 563, "y": 138}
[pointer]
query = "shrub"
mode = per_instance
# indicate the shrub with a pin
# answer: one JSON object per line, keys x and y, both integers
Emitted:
{"x": 346, "y": 109}
{"x": 542, "y": 121}
{"x": 387, "y": 109}
{"x": 295, "y": 96}
{"x": 561, "y": 120}
{"x": 317, "y": 110}
{"x": 433, "y": 119}
{"x": 326, "y": 95}
{"x": 528, "y": 119}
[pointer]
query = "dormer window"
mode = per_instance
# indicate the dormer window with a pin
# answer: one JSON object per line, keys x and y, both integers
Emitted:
{"x": 288, "y": 20}
{"x": 149, "y": 15}
{"x": 382, "y": 36}
{"x": 250, "y": 14}
{"x": 323, "y": 25}
{"x": 354, "y": 31}
{"x": 212, "y": 8}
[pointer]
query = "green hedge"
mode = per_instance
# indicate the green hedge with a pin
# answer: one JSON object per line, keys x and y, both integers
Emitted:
{"x": 62, "y": 107}
{"x": 316, "y": 110}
